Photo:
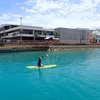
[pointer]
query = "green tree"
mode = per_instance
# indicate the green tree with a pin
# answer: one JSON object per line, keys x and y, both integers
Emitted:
{"x": 94, "y": 40}
{"x": 13, "y": 34}
{"x": 45, "y": 33}
{"x": 35, "y": 36}
{"x": 57, "y": 35}
{"x": 21, "y": 32}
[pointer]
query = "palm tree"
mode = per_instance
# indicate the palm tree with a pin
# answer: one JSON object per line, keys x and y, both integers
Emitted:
{"x": 57, "y": 35}
{"x": 21, "y": 31}
{"x": 13, "y": 35}
{"x": 45, "y": 33}
{"x": 35, "y": 36}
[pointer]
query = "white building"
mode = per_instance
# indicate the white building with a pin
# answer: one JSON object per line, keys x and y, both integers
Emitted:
{"x": 21, "y": 32}
{"x": 97, "y": 35}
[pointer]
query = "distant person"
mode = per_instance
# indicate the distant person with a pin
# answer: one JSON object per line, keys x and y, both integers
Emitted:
{"x": 40, "y": 60}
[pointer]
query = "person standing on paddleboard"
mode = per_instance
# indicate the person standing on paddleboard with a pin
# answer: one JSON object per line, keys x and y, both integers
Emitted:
{"x": 39, "y": 61}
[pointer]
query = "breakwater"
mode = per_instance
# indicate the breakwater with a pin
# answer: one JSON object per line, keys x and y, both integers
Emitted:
{"x": 23, "y": 48}
{"x": 46, "y": 48}
{"x": 72, "y": 47}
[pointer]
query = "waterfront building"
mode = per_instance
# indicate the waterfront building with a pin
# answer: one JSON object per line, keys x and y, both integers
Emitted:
{"x": 20, "y": 32}
{"x": 9, "y": 32}
{"x": 96, "y": 34}
{"x": 73, "y": 36}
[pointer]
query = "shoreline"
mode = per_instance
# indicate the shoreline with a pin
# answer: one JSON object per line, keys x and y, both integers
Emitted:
{"x": 48, "y": 48}
{"x": 72, "y": 47}
{"x": 23, "y": 48}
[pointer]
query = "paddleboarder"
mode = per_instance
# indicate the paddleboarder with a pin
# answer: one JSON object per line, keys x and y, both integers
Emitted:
{"x": 40, "y": 60}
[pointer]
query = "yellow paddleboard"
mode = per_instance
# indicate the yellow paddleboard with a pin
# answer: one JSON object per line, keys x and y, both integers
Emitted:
{"x": 46, "y": 66}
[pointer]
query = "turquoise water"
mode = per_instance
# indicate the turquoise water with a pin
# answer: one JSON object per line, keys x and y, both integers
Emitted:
{"x": 76, "y": 77}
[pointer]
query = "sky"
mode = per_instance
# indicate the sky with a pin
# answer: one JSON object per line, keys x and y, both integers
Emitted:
{"x": 51, "y": 13}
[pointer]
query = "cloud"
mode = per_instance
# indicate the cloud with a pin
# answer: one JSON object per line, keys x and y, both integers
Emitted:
{"x": 5, "y": 17}
{"x": 64, "y": 12}
{"x": 10, "y": 19}
{"x": 60, "y": 13}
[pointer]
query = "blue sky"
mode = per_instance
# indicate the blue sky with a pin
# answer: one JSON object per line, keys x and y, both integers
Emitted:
{"x": 51, "y": 13}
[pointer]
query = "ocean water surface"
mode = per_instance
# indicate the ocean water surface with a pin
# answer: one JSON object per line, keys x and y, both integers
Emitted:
{"x": 76, "y": 77}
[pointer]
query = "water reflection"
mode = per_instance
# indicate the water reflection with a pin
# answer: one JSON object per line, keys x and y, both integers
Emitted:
{"x": 39, "y": 73}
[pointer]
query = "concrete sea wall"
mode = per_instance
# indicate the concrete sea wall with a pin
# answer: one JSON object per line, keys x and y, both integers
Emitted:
{"x": 47, "y": 48}
{"x": 66, "y": 48}
{"x": 23, "y": 48}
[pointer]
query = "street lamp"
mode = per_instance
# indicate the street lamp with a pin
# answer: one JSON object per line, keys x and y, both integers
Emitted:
{"x": 21, "y": 29}
{"x": 21, "y": 20}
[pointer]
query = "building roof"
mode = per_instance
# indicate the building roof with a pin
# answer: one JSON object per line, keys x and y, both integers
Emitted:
{"x": 25, "y": 27}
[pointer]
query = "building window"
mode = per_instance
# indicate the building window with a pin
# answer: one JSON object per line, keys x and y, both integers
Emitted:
{"x": 38, "y": 32}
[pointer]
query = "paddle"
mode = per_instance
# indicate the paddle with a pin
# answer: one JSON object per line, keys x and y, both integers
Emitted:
{"x": 46, "y": 55}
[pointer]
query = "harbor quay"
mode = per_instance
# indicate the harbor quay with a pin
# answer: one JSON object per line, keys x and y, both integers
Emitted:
{"x": 45, "y": 47}
{"x": 72, "y": 47}
{"x": 33, "y": 38}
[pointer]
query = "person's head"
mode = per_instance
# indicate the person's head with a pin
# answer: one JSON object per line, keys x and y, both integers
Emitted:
{"x": 41, "y": 57}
